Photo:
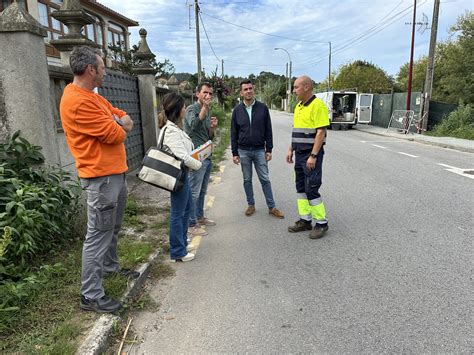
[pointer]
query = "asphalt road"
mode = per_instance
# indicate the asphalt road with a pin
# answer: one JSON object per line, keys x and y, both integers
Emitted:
{"x": 393, "y": 274}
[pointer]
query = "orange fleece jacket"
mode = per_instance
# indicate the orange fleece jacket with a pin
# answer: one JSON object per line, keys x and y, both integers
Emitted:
{"x": 95, "y": 140}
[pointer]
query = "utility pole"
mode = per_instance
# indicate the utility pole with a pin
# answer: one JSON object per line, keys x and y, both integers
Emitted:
{"x": 410, "y": 71}
{"x": 222, "y": 67}
{"x": 198, "y": 40}
{"x": 430, "y": 68}
{"x": 289, "y": 87}
{"x": 329, "y": 73}
{"x": 287, "y": 95}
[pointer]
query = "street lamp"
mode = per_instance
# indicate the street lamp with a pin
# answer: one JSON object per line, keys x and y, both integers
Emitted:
{"x": 288, "y": 92}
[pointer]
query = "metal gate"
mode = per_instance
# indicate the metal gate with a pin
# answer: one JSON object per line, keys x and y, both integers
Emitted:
{"x": 122, "y": 92}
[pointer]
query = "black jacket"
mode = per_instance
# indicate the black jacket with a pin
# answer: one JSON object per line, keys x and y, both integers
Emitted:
{"x": 257, "y": 135}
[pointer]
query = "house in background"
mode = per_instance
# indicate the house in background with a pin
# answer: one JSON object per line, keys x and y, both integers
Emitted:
{"x": 110, "y": 28}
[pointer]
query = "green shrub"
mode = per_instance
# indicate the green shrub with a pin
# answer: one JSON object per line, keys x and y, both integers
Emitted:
{"x": 37, "y": 205}
{"x": 459, "y": 123}
{"x": 221, "y": 115}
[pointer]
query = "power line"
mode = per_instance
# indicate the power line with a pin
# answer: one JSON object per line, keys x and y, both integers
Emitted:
{"x": 263, "y": 33}
{"x": 208, "y": 41}
{"x": 341, "y": 47}
{"x": 228, "y": 60}
{"x": 358, "y": 37}
{"x": 364, "y": 36}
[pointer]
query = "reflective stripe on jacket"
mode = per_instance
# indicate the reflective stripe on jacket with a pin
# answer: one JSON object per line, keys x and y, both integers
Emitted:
{"x": 308, "y": 117}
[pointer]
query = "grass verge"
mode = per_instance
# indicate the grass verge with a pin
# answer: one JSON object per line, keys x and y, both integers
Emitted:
{"x": 52, "y": 323}
{"x": 218, "y": 152}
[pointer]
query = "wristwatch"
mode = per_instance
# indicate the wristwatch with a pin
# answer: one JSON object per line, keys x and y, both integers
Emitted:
{"x": 119, "y": 121}
{"x": 312, "y": 155}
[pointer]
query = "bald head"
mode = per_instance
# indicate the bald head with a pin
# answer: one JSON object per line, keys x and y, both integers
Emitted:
{"x": 303, "y": 88}
{"x": 306, "y": 80}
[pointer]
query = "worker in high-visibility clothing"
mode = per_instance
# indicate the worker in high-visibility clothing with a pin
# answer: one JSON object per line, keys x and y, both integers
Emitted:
{"x": 310, "y": 122}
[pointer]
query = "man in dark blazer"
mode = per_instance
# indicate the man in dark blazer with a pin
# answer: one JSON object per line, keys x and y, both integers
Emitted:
{"x": 252, "y": 143}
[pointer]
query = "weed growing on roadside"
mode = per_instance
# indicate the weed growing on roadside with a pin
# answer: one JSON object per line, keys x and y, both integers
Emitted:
{"x": 160, "y": 270}
{"x": 458, "y": 124}
{"x": 132, "y": 253}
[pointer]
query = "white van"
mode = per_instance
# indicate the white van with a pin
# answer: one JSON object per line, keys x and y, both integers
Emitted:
{"x": 345, "y": 108}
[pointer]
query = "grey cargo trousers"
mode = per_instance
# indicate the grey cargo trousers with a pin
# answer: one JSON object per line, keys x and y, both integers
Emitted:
{"x": 106, "y": 199}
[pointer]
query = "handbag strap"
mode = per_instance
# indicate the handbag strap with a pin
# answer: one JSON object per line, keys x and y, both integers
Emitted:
{"x": 160, "y": 143}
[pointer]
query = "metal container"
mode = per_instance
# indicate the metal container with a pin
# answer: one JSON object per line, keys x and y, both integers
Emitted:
{"x": 348, "y": 116}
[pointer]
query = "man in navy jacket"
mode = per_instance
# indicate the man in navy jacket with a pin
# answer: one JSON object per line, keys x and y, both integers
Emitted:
{"x": 252, "y": 142}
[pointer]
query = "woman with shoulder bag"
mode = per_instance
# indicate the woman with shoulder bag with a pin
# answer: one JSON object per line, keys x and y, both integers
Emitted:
{"x": 181, "y": 201}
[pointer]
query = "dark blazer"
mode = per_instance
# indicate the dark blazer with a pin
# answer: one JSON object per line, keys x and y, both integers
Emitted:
{"x": 257, "y": 135}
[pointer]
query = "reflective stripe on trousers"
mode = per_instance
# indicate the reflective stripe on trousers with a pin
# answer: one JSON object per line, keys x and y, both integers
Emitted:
{"x": 309, "y": 201}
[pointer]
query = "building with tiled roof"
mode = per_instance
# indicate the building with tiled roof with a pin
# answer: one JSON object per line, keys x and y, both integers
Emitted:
{"x": 110, "y": 27}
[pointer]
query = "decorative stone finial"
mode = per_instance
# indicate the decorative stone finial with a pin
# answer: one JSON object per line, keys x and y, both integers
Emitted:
{"x": 15, "y": 19}
{"x": 72, "y": 14}
{"x": 143, "y": 56}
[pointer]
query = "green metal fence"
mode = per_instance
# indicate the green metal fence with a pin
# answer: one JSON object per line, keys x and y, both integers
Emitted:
{"x": 384, "y": 104}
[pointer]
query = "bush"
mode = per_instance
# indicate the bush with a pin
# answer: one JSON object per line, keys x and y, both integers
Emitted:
{"x": 37, "y": 205}
{"x": 221, "y": 115}
{"x": 459, "y": 123}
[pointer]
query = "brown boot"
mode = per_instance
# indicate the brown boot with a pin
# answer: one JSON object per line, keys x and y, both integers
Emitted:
{"x": 318, "y": 231}
{"x": 300, "y": 226}
{"x": 250, "y": 210}
{"x": 274, "y": 212}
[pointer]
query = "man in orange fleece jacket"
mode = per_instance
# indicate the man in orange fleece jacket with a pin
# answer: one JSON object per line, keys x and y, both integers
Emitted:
{"x": 95, "y": 133}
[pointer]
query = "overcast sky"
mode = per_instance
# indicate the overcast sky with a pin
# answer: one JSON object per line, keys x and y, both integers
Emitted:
{"x": 244, "y": 33}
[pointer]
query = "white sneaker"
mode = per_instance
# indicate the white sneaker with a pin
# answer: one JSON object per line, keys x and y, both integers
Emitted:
{"x": 187, "y": 257}
{"x": 191, "y": 247}
{"x": 194, "y": 231}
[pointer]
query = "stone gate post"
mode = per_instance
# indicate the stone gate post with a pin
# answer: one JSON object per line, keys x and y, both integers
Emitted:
{"x": 146, "y": 85}
{"x": 24, "y": 82}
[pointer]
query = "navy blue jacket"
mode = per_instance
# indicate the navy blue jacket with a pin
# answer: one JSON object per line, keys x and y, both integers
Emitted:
{"x": 257, "y": 135}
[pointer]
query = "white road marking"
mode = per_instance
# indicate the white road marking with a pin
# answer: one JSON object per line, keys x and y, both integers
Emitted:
{"x": 458, "y": 171}
{"x": 408, "y": 155}
{"x": 379, "y": 146}
{"x": 216, "y": 180}
{"x": 448, "y": 166}
{"x": 385, "y": 141}
{"x": 209, "y": 201}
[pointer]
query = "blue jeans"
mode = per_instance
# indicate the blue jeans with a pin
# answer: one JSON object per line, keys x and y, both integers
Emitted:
{"x": 181, "y": 203}
{"x": 199, "y": 180}
{"x": 257, "y": 157}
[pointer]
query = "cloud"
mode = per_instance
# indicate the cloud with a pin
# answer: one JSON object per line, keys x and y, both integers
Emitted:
{"x": 363, "y": 29}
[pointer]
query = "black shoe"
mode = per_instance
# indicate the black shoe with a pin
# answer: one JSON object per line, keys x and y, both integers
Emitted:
{"x": 124, "y": 272}
{"x": 104, "y": 304}
{"x": 300, "y": 226}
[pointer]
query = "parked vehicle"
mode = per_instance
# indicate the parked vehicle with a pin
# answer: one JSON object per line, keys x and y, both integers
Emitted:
{"x": 345, "y": 108}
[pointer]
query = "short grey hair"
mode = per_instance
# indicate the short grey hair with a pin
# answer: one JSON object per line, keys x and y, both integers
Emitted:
{"x": 81, "y": 57}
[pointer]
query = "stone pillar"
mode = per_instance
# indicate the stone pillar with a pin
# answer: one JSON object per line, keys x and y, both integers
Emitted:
{"x": 73, "y": 16}
{"x": 24, "y": 82}
{"x": 146, "y": 85}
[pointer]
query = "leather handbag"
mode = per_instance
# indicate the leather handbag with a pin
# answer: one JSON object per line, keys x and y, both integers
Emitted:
{"x": 161, "y": 168}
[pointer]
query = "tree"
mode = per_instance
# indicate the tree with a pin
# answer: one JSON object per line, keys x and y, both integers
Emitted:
{"x": 453, "y": 79}
{"x": 221, "y": 90}
{"x": 419, "y": 75}
{"x": 454, "y": 66}
{"x": 363, "y": 76}
{"x": 271, "y": 92}
{"x": 126, "y": 61}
